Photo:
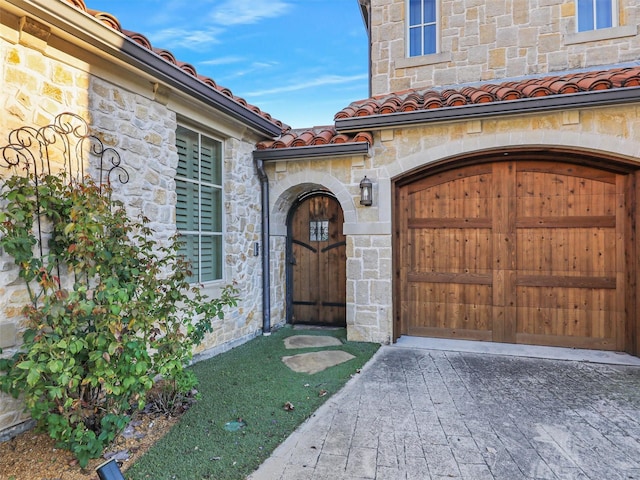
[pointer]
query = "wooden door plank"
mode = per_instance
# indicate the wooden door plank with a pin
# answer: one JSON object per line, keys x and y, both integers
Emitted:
{"x": 503, "y": 251}
{"x": 632, "y": 261}
{"x": 618, "y": 322}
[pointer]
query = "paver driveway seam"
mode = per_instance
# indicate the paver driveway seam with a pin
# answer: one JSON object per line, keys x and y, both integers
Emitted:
{"x": 433, "y": 414}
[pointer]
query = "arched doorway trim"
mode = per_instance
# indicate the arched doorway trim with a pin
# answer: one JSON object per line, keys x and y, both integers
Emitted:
{"x": 286, "y": 191}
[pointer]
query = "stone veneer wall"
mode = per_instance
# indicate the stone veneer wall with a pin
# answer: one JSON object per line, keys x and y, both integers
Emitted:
{"x": 610, "y": 130}
{"x": 489, "y": 40}
{"x": 36, "y": 88}
{"x": 369, "y": 265}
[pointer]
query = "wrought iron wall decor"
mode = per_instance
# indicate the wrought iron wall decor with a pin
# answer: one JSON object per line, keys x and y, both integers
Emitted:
{"x": 67, "y": 145}
{"x": 67, "y": 140}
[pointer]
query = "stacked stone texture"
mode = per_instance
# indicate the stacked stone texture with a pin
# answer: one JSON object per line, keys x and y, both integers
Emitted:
{"x": 492, "y": 40}
{"x": 36, "y": 88}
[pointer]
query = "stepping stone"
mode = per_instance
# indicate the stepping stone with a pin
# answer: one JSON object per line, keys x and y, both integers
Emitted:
{"x": 314, "y": 362}
{"x": 310, "y": 341}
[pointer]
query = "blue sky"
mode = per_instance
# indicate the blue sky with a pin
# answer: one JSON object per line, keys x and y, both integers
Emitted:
{"x": 299, "y": 60}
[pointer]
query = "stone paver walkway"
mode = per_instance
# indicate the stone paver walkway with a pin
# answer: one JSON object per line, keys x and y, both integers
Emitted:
{"x": 427, "y": 414}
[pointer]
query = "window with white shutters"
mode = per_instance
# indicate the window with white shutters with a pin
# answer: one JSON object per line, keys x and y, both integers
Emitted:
{"x": 199, "y": 203}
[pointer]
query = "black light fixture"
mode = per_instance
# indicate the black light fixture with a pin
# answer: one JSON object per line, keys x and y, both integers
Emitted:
{"x": 366, "y": 192}
{"x": 109, "y": 471}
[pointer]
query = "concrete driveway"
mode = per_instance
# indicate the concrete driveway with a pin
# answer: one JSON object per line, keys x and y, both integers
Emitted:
{"x": 425, "y": 409}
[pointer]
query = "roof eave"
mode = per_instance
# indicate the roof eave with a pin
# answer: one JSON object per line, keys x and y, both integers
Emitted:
{"x": 511, "y": 107}
{"x": 312, "y": 151}
{"x": 174, "y": 76}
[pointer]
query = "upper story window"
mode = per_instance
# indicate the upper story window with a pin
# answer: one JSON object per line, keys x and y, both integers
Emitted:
{"x": 199, "y": 203}
{"x": 423, "y": 27}
{"x": 596, "y": 14}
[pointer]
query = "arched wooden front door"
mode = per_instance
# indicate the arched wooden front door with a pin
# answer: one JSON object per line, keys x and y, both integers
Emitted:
{"x": 529, "y": 251}
{"x": 316, "y": 259}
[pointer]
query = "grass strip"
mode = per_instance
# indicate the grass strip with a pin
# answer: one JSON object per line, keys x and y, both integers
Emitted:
{"x": 250, "y": 383}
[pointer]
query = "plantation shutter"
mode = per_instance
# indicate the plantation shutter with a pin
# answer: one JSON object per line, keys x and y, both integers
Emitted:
{"x": 199, "y": 202}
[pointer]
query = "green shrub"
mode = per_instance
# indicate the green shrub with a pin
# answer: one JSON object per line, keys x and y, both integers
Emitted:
{"x": 110, "y": 309}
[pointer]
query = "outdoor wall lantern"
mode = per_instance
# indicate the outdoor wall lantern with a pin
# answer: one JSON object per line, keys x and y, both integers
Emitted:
{"x": 109, "y": 471}
{"x": 366, "y": 192}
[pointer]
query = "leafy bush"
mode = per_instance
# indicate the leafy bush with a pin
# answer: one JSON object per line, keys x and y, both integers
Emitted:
{"x": 110, "y": 309}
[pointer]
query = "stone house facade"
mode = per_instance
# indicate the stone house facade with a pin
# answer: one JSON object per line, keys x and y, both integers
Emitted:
{"x": 529, "y": 81}
{"x": 503, "y": 155}
{"x": 485, "y": 41}
{"x": 57, "y": 58}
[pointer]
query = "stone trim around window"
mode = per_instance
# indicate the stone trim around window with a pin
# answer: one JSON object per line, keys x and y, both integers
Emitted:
{"x": 424, "y": 60}
{"x": 601, "y": 34}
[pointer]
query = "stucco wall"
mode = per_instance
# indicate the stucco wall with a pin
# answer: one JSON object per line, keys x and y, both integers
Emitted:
{"x": 489, "y": 40}
{"x": 40, "y": 83}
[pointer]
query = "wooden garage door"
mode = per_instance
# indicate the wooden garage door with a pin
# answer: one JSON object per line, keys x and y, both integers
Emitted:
{"x": 520, "y": 252}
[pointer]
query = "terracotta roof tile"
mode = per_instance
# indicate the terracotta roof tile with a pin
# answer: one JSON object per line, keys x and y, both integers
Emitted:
{"x": 412, "y": 100}
{"x": 106, "y": 18}
{"x": 477, "y": 96}
{"x": 78, "y": 4}
{"x": 285, "y": 140}
{"x": 323, "y": 137}
{"x": 112, "y": 22}
{"x": 627, "y": 78}
{"x": 453, "y": 98}
{"x": 314, "y": 136}
{"x": 342, "y": 138}
{"x": 303, "y": 139}
{"x": 187, "y": 67}
{"x": 432, "y": 100}
{"x": 166, "y": 55}
{"x": 139, "y": 39}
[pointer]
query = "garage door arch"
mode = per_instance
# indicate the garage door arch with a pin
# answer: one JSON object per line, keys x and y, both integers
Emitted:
{"x": 518, "y": 246}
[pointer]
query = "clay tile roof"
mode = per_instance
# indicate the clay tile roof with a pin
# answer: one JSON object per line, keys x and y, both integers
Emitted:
{"x": 314, "y": 136}
{"x": 626, "y": 77}
{"x": 209, "y": 81}
{"x": 303, "y": 139}
{"x": 390, "y": 106}
{"x": 412, "y": 100}
{"x": 369, "y": 108}
{"x": 106, "y": 18}
{"x": 79, "y": 4}
{"x": 284, "y": 141}
{"x": 411, "y": 103}
{"x": 432, "y": 99}
{"x": 323, "y": 137}
{"x": 139, "y": 39}
{"x": 453, "y": 98}
{"x": 475, "y": 95}
{"x": 534, "y": 90}
{"x": 342, "y": 138}
{"x": 346, "y": 112}
{"x": 187, "y": 67}
{"x": 166, "y": 55}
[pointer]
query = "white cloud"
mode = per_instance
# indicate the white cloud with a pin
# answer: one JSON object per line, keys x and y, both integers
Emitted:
{"x": 317, "y": 82}
{"x": 180, "y": 37}
{"x": 236, "y": 12}
{"x": 222, "y": 60}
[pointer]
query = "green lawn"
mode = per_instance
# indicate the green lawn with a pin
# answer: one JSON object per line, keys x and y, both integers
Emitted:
{"x": 252, "y": 383}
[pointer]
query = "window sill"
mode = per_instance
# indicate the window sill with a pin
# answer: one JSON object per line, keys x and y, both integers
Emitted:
{"x": 213, "y": 288}
{"x": 423, "y": 60}
{"x": 601, "y": 34}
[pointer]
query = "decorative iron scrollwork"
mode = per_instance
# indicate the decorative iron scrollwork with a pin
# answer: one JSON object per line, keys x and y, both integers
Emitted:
{"x": 67, "y": 142}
